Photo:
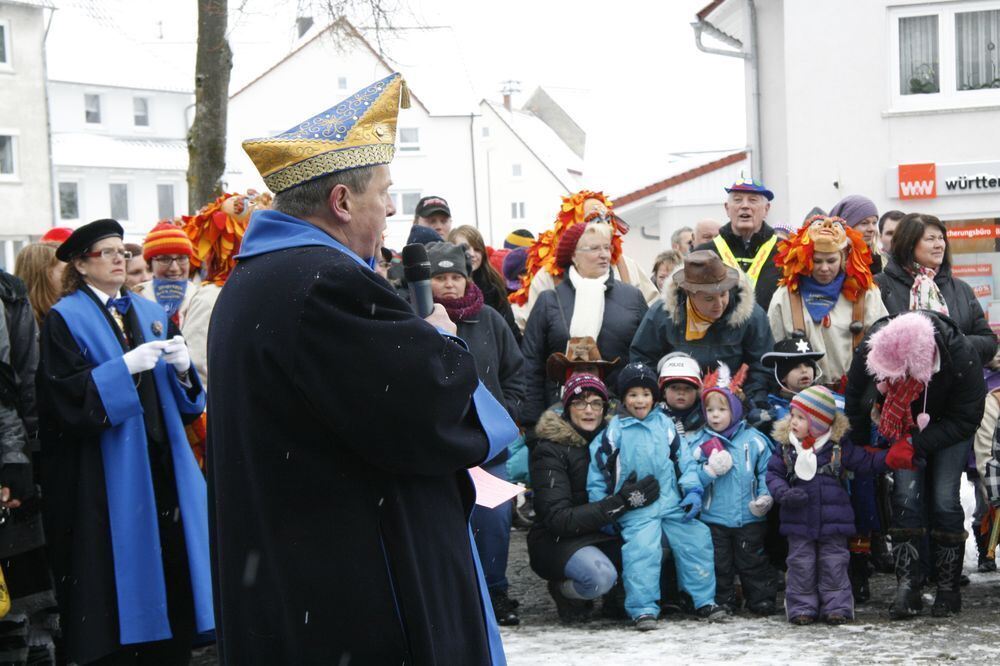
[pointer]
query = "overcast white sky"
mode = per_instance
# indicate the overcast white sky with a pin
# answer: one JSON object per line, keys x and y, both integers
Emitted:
{"x": 644, "y": 89}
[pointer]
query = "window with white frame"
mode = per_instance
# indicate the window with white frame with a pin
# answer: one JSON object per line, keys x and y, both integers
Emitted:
{"x": 515, "y": 170}
{"x": 140, "y": 111}
{"x": 408, "y": 203}
{"x": 92, "y": 108}
{"x": 409, "y": 139}
{"x": 8, "y": 156}
{"x": 165, "y": 201}
{"x": 69, "y": 200}
{"x": 118, "y": 193}
{"x": 486, "y": 132}
{"x": 5, "y": 51}
{"x": 517, "y": 210}
{"x": 945, "y": 55}
{"x": 9, "y": 248}
{"x": 342, "y": 83}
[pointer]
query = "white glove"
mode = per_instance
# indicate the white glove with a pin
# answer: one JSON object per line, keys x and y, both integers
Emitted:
{"x": 719, "y": 463}
{"x": 760, "y": 506}
{"x": 143, "y": 357}
{"x": 176, "y": 354}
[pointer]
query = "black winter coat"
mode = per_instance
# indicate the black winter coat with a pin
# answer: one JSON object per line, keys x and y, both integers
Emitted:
{"x": 955, "y": 399}
{"x": 963, "y": 306}
{"x": 341, "y": 429}
{"x": 547, "y": 332}
{"x": 498, "y": 358}
{"x": 767, "y": 282}
{"x": 497, "y": 300}
{"x": 565, "y": 518}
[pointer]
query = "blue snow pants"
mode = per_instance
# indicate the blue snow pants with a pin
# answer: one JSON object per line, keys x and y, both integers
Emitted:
{"x": 642, "y": 555}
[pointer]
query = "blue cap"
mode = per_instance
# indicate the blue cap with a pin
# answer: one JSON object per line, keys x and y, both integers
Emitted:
{"x": 750, "y": 185}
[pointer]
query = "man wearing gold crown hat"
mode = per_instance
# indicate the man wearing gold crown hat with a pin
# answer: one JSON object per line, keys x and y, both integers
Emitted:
{"x": 338, "y": 468}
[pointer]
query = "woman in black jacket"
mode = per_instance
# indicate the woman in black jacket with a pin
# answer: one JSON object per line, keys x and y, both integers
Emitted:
{"x": 486, "y": 277}
{"x": 918, "y": 277}
{"x": 590, "y": 302}
{"x": 573, "y": 544}
{"x": 927, "y": 383}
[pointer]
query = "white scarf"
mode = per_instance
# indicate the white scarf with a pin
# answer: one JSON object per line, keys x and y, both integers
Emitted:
{"x": 805, "y": 460}
{"x": 588, "y": 308}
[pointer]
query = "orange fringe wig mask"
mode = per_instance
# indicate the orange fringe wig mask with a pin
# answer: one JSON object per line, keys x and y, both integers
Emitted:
{"x": 216, "y": 232}
{"x": 826, "y": 234}
{"x": 542, "y": 253}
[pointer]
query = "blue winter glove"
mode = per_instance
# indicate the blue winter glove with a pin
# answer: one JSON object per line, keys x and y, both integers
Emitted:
{"x": 794, "y": 498}
{"x": 691, "y": 505}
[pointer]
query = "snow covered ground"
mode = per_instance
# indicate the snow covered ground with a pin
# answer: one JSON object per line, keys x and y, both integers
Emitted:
{"x": 972, "y": 637}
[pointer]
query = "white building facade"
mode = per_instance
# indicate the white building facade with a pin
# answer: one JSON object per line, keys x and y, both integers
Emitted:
{"x": 498, "y": 169}
{"x": 25, "y": 169}
{"x": 119, "y": 120}
{"x": 898, "y": 101}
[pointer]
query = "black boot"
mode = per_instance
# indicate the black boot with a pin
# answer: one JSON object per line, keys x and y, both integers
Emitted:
{"x": 504, "y": 608}
{"x": 882, "y": 555}
{"x": 906, "y": 554}
{"x": 613, "y": 603}
{"x": 986, "y": 563}
{"x": 948, "y": 563}
{"x": 571, "y": 611}
{"x": 859, "y": 572}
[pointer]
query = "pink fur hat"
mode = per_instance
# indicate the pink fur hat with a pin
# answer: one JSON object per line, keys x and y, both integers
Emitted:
{"x": 905, "y": 347}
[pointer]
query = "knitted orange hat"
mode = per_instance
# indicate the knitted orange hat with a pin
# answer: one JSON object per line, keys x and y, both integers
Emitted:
{"x": 165, "y": 238}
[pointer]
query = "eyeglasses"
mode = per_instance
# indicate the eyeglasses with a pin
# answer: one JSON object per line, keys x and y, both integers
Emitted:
{"x": 109, "y": 253}
{"x": 594, "y": 249}
{"x": 166, "y": 259}
{"x": 584, "y": 405}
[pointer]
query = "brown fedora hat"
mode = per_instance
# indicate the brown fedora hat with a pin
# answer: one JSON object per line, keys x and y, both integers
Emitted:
{"x": 579, "y": 351}
{"x": 704, "y": 271}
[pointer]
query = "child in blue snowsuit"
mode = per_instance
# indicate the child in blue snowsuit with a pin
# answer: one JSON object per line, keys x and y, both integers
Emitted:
{"x": 680, "y": 386}
{"x": 641, "y": 440}
{"x": 731, "y": 459}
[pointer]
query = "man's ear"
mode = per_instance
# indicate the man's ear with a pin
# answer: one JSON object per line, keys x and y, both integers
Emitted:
{"x": 339, "y": 202}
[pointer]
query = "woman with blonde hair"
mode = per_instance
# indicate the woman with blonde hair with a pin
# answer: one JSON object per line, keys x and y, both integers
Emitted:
{"x": 41, "y": 271}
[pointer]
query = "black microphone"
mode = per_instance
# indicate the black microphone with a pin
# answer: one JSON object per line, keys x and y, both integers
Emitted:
{"x": 417, "y": 271}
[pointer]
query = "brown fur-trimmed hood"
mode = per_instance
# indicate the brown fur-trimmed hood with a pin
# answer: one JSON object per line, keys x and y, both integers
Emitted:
{"x": 838, "y": 429}
{"x": 741, "y": 302}
{"x": 555, "y": 428}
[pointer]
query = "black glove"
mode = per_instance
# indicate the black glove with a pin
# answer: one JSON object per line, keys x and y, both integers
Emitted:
{"x": 637, "y": 494}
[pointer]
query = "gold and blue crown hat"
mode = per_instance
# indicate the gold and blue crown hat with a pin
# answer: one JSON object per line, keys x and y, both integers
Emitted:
{"x": 357, "y": 132}
{"x": 750, "y": 185}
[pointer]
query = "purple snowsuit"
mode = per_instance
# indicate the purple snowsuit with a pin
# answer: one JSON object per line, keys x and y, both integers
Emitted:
{"x": 818, "y": 584}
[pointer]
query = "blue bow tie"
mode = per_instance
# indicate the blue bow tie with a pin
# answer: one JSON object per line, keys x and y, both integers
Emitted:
{"x": 121, "y": 304}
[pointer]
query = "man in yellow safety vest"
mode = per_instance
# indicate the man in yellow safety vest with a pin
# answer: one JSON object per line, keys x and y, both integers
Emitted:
{"x": 748, "y": 243}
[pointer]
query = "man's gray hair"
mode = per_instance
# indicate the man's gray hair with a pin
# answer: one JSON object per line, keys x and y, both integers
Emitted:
{"x": 675, "y": 237}
{"x": 310, "y": 198}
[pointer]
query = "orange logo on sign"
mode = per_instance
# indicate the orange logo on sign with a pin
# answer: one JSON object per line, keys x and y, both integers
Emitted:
{"x": 917, "y": 181}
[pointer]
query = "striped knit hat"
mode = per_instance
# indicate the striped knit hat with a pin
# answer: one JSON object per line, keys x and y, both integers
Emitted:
{"x": 518, "y": 238}
{"x": 577, "y": 384}
{"x": 166, "y": 238}
{"x": 819, "y": 407}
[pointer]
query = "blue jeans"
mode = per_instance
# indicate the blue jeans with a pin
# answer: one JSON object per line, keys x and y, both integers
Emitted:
{"x": 491, "y": 529}
{"x": 939, "y": 481}
{"x": 592, "y": 573}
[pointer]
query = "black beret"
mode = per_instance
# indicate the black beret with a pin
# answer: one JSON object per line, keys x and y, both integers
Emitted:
{"x": 84, "y": 237}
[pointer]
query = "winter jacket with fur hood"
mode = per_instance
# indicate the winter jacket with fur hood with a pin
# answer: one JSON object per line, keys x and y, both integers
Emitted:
{"x": 741, "y": 335}
{"x": 547, "y": 332}
{"x": 955, "y": 397}
{"x": 963, "y": 306}
{"x": 828, "y": 510}
{"x": 566, "y": 520}
{"x": 767, "y": 282}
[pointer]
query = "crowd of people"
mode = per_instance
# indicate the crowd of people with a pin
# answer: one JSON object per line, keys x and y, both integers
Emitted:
{"x": 761, "y": 410}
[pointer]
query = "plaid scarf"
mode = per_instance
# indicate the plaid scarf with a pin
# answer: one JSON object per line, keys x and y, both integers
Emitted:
{"x": 897, "y": 419}
{"x": 925, "y": 294}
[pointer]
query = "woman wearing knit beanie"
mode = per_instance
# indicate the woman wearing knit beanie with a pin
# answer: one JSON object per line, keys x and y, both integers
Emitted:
{"x": 806, "y": 478}
{"x": 498, "y": 364}
{"x": 589, "y": 303}
{"x": 861, "y": 215}
{"x": 168, "y": 250}
{"x": 919, "y": 379}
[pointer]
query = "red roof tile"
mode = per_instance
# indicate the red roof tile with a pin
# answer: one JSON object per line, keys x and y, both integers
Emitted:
{"x": 690, "y": 174}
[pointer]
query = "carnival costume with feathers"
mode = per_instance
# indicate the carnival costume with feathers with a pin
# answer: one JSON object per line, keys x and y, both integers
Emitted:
{"x": 825, "y": 234}
{"x": 542, "y": 253}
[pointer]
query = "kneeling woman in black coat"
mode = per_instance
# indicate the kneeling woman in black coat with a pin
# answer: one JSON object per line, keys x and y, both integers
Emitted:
{"x": 572, "y": 544}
